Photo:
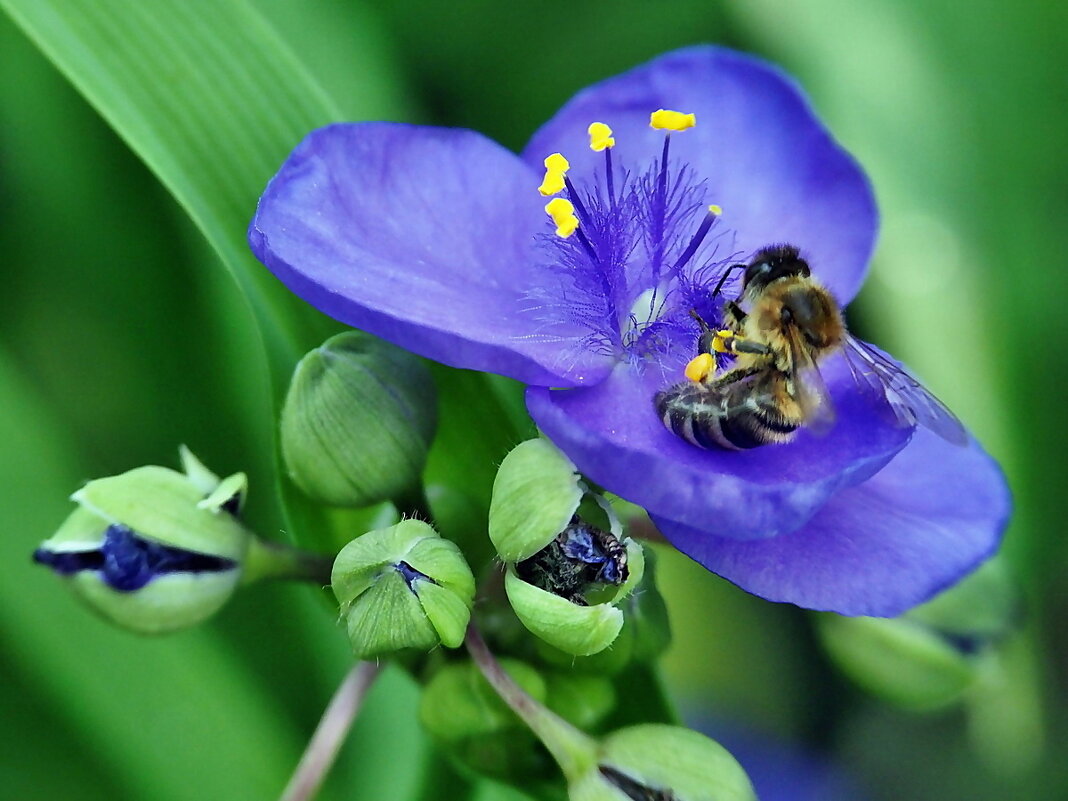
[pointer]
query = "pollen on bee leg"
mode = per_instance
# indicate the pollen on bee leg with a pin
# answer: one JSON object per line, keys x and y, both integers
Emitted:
{"x": 723, "y": 340}
{"x": 701, "y": 367}
{"x": 556, "y": 167}
{"x": 562, "y": 212}
{"x": 667, "y": 120}
{"x": 600, "y": 137}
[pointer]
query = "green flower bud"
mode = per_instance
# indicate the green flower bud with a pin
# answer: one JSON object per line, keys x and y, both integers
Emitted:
{"x": 403, "y": 587}
{"x": 928, "y": 657}
{"x": 357, "y": 421}
{"x": 655, "y": 761}
{"x": 583, "y": 700}
{"x": 152, "y": 549}
{"x": 472, "y": 724}
{"x": 567, "y": 563}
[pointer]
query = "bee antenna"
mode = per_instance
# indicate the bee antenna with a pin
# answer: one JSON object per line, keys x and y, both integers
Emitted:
{"x": 700, "y": 320}
{"x": 723, "y": 278}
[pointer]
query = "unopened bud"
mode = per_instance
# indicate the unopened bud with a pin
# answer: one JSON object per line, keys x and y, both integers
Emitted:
{"x": 357, "y": 421}
{"x": 929, "y": 656}
{"x": 666, "y": 763}
{"x": 470, "y": 722}
{"x": 403, "y": 587}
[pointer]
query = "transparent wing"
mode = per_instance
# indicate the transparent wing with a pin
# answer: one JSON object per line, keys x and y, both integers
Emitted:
{"x": 810, "y": 390}
{"x": 911, "y": 402}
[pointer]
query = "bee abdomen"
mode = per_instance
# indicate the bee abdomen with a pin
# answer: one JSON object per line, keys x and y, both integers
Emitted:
{"x": 707, "y": 419}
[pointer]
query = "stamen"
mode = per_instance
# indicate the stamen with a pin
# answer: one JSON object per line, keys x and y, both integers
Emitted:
{"x": 562, "y": 212}
{"x": 574, "y": 196}
{"x": 556, "y": 166}
{"x": 600, "y": 137}
{"x": 702, "y": 230}
{"x": 665, "y": 120}
{"x": 700, "y": 367}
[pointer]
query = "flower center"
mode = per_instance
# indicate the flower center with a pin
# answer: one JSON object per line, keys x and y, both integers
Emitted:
{"x": 631, "y": 250}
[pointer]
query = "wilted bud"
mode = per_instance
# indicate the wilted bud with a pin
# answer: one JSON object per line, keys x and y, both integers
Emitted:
{"x": 568, "y": 564}
{"x": 929, "y": 656}
{"x": 661, "y": 763}
{"x": 403, "y": 587}
{"x": 357, "y": 421}
{"x": 152, "y": 549}
{"x": 645, "y": 635}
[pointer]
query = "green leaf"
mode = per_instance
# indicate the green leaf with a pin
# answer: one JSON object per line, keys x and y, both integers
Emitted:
{"x": 212, "y": 100}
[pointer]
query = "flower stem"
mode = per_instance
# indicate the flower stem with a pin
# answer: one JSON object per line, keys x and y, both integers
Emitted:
{"x": 573, "y": 750}
{"x": 277, "y": 561}
{"x": 331, "y": 732}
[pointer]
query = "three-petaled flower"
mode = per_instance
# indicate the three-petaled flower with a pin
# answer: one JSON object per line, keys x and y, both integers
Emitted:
{"x": 438, "y": 241}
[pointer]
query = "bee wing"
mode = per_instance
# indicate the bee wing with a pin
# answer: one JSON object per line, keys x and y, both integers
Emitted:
{"x": 810, "y": 390}
{"x": 910, "y": 400}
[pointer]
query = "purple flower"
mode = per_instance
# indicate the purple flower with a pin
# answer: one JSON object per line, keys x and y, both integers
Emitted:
{"x": 438, "y": 241}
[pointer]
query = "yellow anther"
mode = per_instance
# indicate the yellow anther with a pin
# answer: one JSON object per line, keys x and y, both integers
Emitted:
{"x": 562, "y": 212}
{"x": 717, "y": 210}
{"x": 600, "y": 136}
{"x": 552, "y": 183}
{"x": 555, "y": 162}
{"x": 700, "y": 367}
{"x": 555, "y": 167}
{"x": 671, "y": 120}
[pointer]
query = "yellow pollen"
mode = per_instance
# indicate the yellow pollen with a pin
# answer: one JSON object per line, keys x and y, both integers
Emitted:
{"x": 700, "y": 367}
{"x": 720, "y": 340}
{"x": 600, "y": 136}
{"x": 555, "y": 167}
{"x": 717, "y": 210}
{"x": 562, "y": 212}
{"x": 671, "y": 120}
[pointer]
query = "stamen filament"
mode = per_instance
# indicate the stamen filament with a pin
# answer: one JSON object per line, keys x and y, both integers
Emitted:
{"x": 698, "y": 237}
{"x": 574, "y": 197}
{"x": 609, "y": 181}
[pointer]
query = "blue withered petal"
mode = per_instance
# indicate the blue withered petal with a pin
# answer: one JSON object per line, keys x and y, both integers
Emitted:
{"x": 153, "y": 550}
{"x": 438, "y": 241}
{"x": 127, "y": 562}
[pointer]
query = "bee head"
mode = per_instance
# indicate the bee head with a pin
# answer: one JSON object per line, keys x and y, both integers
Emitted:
{"x": 772, "y": 263}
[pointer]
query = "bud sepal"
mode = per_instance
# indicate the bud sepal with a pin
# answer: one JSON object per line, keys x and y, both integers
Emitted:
{"x": 403, "y": 587}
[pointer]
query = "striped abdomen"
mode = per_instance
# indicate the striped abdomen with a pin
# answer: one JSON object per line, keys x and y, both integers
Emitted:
{"x": 736, "y": 415}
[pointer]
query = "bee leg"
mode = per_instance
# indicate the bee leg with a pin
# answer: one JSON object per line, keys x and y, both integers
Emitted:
{"x": 727, "y": 341}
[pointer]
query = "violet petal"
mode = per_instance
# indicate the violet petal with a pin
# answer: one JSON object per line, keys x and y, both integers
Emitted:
{"x": 422, "y": 236}
{"x": 915, "y": 528}
{"x": 769, "y": 162}
{"x": 614, "y": 436}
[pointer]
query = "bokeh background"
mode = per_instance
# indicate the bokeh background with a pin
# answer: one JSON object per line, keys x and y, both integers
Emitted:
{"x": 122, "y": 335}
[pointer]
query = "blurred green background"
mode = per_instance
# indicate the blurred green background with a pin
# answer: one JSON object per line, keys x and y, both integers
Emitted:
{"x": 123, "y": 335}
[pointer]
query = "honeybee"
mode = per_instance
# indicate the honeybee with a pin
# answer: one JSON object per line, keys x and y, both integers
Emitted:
{"x": 774, "y": 386}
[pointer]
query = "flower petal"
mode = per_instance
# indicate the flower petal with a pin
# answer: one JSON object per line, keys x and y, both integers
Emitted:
{"x": 422, "y": 236}
{"x": 879, "y": 548}
{"x": 614, "y": 436}
{"x": 770, "y": 164}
